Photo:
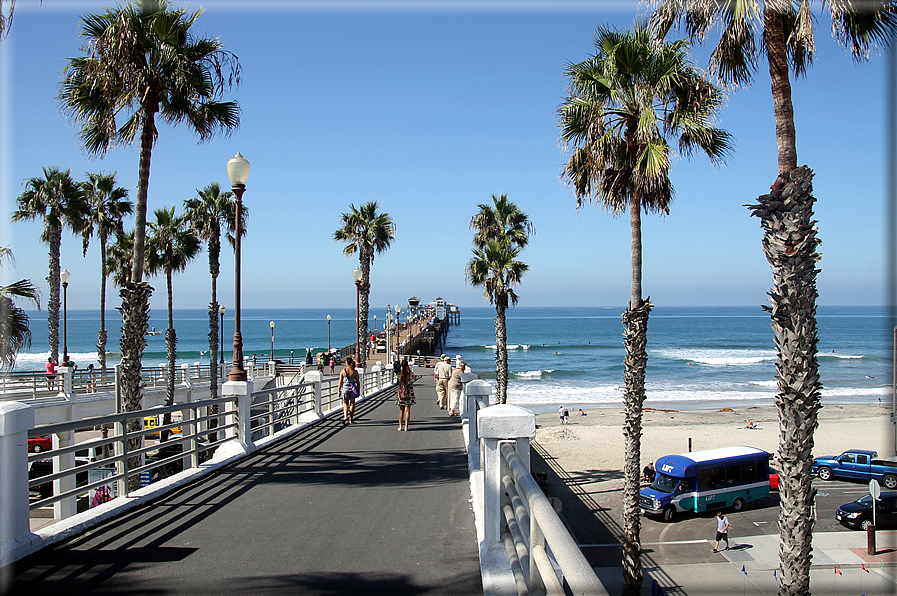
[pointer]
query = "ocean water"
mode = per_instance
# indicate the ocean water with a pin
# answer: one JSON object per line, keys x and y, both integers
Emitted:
{"x": 697, "y": 356}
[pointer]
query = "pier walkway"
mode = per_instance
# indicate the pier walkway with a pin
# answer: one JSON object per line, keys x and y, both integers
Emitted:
{"x": 332, "y": 509}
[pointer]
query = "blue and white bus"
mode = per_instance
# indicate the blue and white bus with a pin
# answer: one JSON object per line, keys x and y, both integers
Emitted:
{"x": 706, "y": 480}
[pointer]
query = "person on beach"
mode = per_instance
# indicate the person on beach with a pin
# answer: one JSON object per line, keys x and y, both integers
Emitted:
{"x": 405, "y": 396}
{"x": 51, "y": 373}
{"x": 722, "y": 530}
{"x": 442, "y": 374}
{"x": 348, "y": 390}
{"x": 581, "y": 413}
{"x": 563, "y": 415}
{"x": 455, "y": 386}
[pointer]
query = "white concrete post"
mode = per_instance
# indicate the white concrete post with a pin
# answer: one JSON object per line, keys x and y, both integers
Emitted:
{"x": 465, "y": 379}
{"x": 68, "y": 506}
{"x": 198, "y": 366}
{"x": 185, "y": 375}
{"x": 16, "y": 419}
{"x": 271, "y": 368}
{"x": 475, "y": 390}
{"x": 240, "y": 390}
{"x": 376, "y": 369}
{"x": 316, "y": 377}
{"x": 496, "y": 425}
{"x": 361, "y": 391}
{"x": 64, "y": 373}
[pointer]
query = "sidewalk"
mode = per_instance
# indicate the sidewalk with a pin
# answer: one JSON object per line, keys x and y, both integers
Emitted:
{"x": 749, "y": 564}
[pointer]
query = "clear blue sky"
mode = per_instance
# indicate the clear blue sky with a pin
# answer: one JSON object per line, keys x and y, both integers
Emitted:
{"x": 429, "y": 108}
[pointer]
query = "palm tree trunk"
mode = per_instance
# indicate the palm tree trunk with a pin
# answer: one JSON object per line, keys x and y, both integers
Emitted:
{"x": 789, "y": 242}
{"x": 54, "y": 234}
{"x": 364, "y": 307}
{"x": 214, "y": 268}
{"x": 635, "y": 340}
{"x": 781, "y": 90}
{"x": 501, "y": 350}
{"x": 101, "y": 338}
{"x": 170, "y": 342}
{"x": 135, "y": 321}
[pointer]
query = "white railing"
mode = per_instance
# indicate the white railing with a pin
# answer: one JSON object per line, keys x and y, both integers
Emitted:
{"x": 110, "y": 466}
{"x": 517, "y": 517}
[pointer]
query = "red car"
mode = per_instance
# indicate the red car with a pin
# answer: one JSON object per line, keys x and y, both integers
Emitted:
{"x": 773, "y": 479}
{"x": 38, "y": 444}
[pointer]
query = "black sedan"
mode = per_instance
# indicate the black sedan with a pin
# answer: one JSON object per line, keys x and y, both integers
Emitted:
{"x": 858, "y": 514}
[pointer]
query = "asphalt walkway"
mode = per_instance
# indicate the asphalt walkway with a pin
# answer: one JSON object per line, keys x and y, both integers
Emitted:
{"x": 333, "y": 509}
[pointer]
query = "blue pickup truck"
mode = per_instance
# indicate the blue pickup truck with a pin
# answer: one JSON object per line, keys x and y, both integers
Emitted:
{"x": 859, "y": 464}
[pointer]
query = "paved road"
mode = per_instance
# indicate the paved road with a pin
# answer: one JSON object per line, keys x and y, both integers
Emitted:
{"x": 363, "y": 509}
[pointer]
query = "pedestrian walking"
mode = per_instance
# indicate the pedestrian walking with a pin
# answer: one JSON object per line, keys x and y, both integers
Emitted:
{"x": 563, "y": 415}
{"x": 722, "y": 531}
{"x": 332, "y": 363}
{"x": 348, "y": 389}
{"x": 405, "y": 397}
{"x": 455, "y": 386}
{"x": 442, "y": 374}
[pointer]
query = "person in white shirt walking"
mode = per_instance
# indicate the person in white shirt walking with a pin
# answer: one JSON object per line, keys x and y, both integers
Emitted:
{"x": 722, "y": 530}
{"x": 442, "y": 374}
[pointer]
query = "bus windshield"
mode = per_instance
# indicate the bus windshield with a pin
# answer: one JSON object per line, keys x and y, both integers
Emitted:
{"x": 665, "y": 484}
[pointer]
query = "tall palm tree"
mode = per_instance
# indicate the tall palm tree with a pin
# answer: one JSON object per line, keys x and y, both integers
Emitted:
{"x": 144, "y": 63}
{"x": 208, "y": 213}
{"x": 782, "y": 31}
{"x": 367, "y": 233}
{"x": 502, "y": 221}
{"x": 15, "y": 333}
{"x": 119, "y": 256}
{"x": 171, "y": 245}
{"x": 626, "y": 105}
{"x": 495, "y": 267}
{"x": 59, "y": 201}
{"x": 108, "y": 206}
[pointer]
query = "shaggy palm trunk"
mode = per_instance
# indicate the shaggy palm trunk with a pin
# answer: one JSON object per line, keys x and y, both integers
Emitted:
{"x": 789, "y": 241}
{"x": 363, "y": 307}
{"x": 501, "y": 350}
{"x": 635, "y": 340}
{"x": 135, "y": 321}
{"x": 171, "y": 344}
{"x": 214, "y": 257}
{"x": 54, "y": 235}
{"x": 101, "y": 336}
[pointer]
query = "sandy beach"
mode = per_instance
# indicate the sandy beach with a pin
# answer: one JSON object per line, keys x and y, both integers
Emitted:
{"x": 595, "y": 441}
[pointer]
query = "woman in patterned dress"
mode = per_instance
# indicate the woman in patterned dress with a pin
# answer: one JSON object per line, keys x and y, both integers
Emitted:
{"x": 405, "y": 398}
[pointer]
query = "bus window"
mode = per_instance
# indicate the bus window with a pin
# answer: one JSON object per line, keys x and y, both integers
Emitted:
{"x": 704, "y": 479}
{"x": 733, "y": 474}
{"x": 717, "y": 477}
{"x": 749, "y": 471}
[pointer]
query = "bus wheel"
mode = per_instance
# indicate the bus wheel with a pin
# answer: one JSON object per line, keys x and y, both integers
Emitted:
{"x": 738, "y": 504}
{"x": 669, "y": 514}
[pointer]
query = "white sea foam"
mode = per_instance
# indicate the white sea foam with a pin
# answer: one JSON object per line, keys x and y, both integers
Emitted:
{"x": 720, "y": 357}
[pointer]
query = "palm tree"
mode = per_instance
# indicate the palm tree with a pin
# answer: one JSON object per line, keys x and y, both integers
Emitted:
{"x": 170, "y": 246}
{"x": 108, "y": 206}
{"x": 209, "y": 212}
{"x": 15, "y": 333}
{"x": 368, "y": 233}
{"x": 119, "y": 257}
{"x": 495, "y": 267}
{"x": 59, "y": 202}
{"x": 503, "y": 221}
{"x": 625, "y": 107}
{"x": 144, "y": 63}
{"x": 783, "y": 33}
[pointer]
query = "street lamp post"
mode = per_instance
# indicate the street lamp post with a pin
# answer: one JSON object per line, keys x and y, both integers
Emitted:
{"x": 272, "y": 340}
{"x": 64, "y": 277}
{"x": 238, "y": 172}
{"x": 398, "y": 315}
{"x": 387, "y": 330}
{"x": 328, "y": 334}
{"x": 221, "y": 310}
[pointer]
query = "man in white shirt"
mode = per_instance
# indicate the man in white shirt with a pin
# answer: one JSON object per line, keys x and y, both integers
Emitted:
{"x": 722, "y": 530}
{"x": 442, "y": 375}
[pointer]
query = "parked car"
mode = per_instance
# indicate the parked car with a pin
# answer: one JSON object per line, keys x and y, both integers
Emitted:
{"x": 38, "y": 469}
{"x": 858, "y": 514}
{"x": 773, "y": 478}
{"x": 38, "y": 444}
{"x": 859, "y": 464}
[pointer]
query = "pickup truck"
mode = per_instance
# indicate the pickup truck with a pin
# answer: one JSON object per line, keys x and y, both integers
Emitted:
{"x": 860, "y": 464}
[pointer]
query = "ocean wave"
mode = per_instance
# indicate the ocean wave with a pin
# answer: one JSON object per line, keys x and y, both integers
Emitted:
{"x": 837, "y": 356}
{"x": 711, "y": 357}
